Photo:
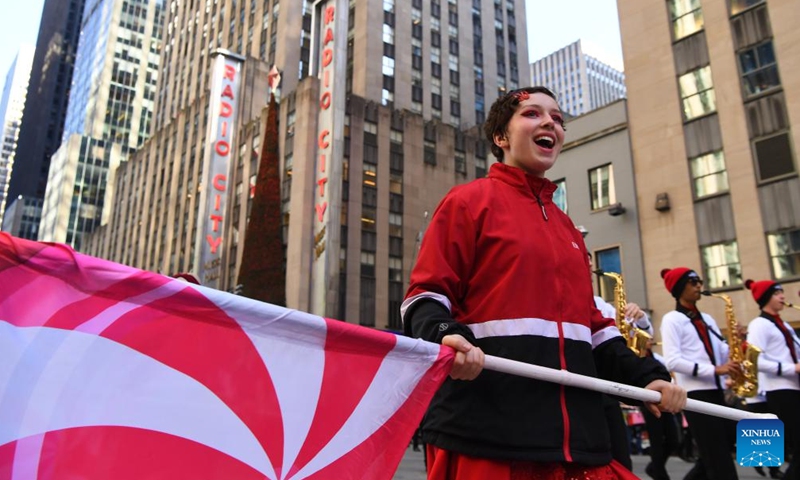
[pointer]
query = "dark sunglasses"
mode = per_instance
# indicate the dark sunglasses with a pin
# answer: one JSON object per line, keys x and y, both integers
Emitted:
{"x": 695, "y": 281}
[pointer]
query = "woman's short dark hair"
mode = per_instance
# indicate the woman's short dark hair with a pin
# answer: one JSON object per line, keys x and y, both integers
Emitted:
{"x": 501, "y": 112}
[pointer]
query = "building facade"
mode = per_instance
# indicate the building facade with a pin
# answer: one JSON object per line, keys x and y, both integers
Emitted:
{"x": 581, "y": 80}
{"x": 714, "y": 106}
{"x": 22, "y": 217}
{"x": 595, "y": 177}
{"x": 109, "y": 116}
{"x": 12, "y": 103}
{"x": 408, "y": 133}
{"x": 48, "y": 94}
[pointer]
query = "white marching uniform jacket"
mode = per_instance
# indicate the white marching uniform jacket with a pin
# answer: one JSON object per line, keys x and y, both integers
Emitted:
{"x": 686, "y": 355}
{"x": 775, "y": 364}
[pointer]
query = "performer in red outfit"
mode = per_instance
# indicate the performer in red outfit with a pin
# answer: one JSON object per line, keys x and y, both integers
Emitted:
{"x": 502, "y": 270}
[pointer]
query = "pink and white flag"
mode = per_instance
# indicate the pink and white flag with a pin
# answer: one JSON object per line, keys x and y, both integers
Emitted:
{"x": 107, "y": 372}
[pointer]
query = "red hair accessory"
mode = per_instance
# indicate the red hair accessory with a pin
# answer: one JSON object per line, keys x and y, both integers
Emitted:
{"x": 521, "y": 95}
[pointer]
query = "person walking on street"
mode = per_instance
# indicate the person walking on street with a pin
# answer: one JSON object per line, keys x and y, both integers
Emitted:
{"x": 663, "y": 434}
{"x": 694, "y": 349}
{"x": 778, "y": 364}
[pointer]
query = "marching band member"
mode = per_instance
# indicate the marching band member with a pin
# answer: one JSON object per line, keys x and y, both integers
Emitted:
{"x": 694, "y": 349}
{"x": 620, "y": 441}
{"x": 501, "y": 270}
{"x": 778, "y": 364}
{"x": 663, "y": 433}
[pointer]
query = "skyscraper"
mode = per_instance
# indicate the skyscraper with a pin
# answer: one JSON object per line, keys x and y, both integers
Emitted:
{"x": 12, "y": 102}
{"x": 48, "y": 94}
{"x": 582, "y": 81}
{"x": 109, "y": 114}
{"x": 714, "y": 105}
{"x": 414, "y": 92}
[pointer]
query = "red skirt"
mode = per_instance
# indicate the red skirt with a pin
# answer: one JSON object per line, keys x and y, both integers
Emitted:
{"x": 444, "y": 465}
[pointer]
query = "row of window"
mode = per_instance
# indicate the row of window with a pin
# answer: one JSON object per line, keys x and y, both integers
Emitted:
{"x": 721, "y": 265}
{"x": 687, "y": 15}
{"x": 760, "y": 86}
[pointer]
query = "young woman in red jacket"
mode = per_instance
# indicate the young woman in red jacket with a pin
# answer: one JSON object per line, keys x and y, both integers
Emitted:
{"x": 503, "y": 270}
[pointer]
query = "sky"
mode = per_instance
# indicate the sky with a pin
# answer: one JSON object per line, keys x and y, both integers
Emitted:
{"x": 552, "y": 24}
{"x": 21, "y": 26}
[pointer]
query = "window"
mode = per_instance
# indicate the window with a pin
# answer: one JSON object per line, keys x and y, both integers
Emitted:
{"x": 697, "y": 92}
{"x": 687, "y": 17}
{"x": 721, "y": 265}
{"x": 560, "y": 195}
{"x": 601, "y": 186}
{"x": 367, "y": 260}
{"x": 395, "y": 247}
{"x": 388, "y": 34}
{"x": 453, "y": 62}
{"x": 738, "y": 6}
{"x": 480, "y": 167}
{"x": 396, "y": 184}
{"x": 396, "y": 157}
{"x": 784, "y": 253}
{"x": 387, "y": 97}
{"x": 388, "y": 66}
{"x": 367, "y": 300}
{"x": 395, "y": 269}
{"x": 759, "y": 70}
{"x": 396, "y": 224}
{"x": 774, "y": 156}
{"x": 395, "y": 203}
{"x": 396, "y": 292}
{"x": 608, "y": 260}
{"x": 436, "y": 55}
{"x": 369, "y": 196}
{"x": 369, "y": 242}
{"x": 370, "y": 174}
{"x": 430, "y": 152}
{"x": 368, "y": 216}
{"x": 709, "y": 174}
{"x": 460, "y": 163}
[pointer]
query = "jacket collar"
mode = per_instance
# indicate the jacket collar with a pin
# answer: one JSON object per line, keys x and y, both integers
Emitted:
{"x": 770, "y": 317}
{"x": 692, "y": 314}
{"x": 528, "y": 184}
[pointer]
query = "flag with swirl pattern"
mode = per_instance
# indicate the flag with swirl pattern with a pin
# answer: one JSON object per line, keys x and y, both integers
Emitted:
{"x": 107, "y": 371}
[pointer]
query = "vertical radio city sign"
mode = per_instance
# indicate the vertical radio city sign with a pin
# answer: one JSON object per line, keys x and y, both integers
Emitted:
{"x": 212, "y": 208}
{"x": 328, "y": 63}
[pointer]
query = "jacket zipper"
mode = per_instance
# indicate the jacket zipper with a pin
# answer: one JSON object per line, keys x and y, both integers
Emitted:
{"x": 565, "y": 447}
{"x": 541, "y": 205}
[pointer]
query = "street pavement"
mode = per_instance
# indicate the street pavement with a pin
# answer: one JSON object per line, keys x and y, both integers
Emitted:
{"x": 412, "y": 468}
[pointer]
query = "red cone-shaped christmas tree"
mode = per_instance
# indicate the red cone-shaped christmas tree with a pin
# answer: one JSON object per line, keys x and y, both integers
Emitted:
{"x": 263, "y": 276}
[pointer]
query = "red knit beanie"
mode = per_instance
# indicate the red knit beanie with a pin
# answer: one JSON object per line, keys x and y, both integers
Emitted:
{"x": 675, "y": 279}
{"x": 762, "y": 290}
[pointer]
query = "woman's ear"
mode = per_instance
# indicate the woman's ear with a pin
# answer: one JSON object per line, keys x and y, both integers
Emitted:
{"x": 500, "y": 140}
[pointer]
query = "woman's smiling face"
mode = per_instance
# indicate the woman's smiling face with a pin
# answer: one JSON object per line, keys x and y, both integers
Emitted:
{"x": 534, "y": 135}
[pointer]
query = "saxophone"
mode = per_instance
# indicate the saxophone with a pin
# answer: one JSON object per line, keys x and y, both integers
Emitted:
{"x": 745, "y": 384}
{"x": 635, "y": 338}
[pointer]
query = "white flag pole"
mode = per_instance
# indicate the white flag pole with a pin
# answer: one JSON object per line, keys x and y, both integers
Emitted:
{"x": 570, "y": 379}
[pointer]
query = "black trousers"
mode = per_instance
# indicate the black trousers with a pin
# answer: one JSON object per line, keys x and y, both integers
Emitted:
{"x": 618, "y": 431}
{"x": 786, "y": 405}
{"x": 664, "y": 438}
{"x": 715, "y": 438}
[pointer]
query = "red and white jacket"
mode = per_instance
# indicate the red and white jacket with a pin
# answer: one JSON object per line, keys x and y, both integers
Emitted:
{"x": 502, "y": 265}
